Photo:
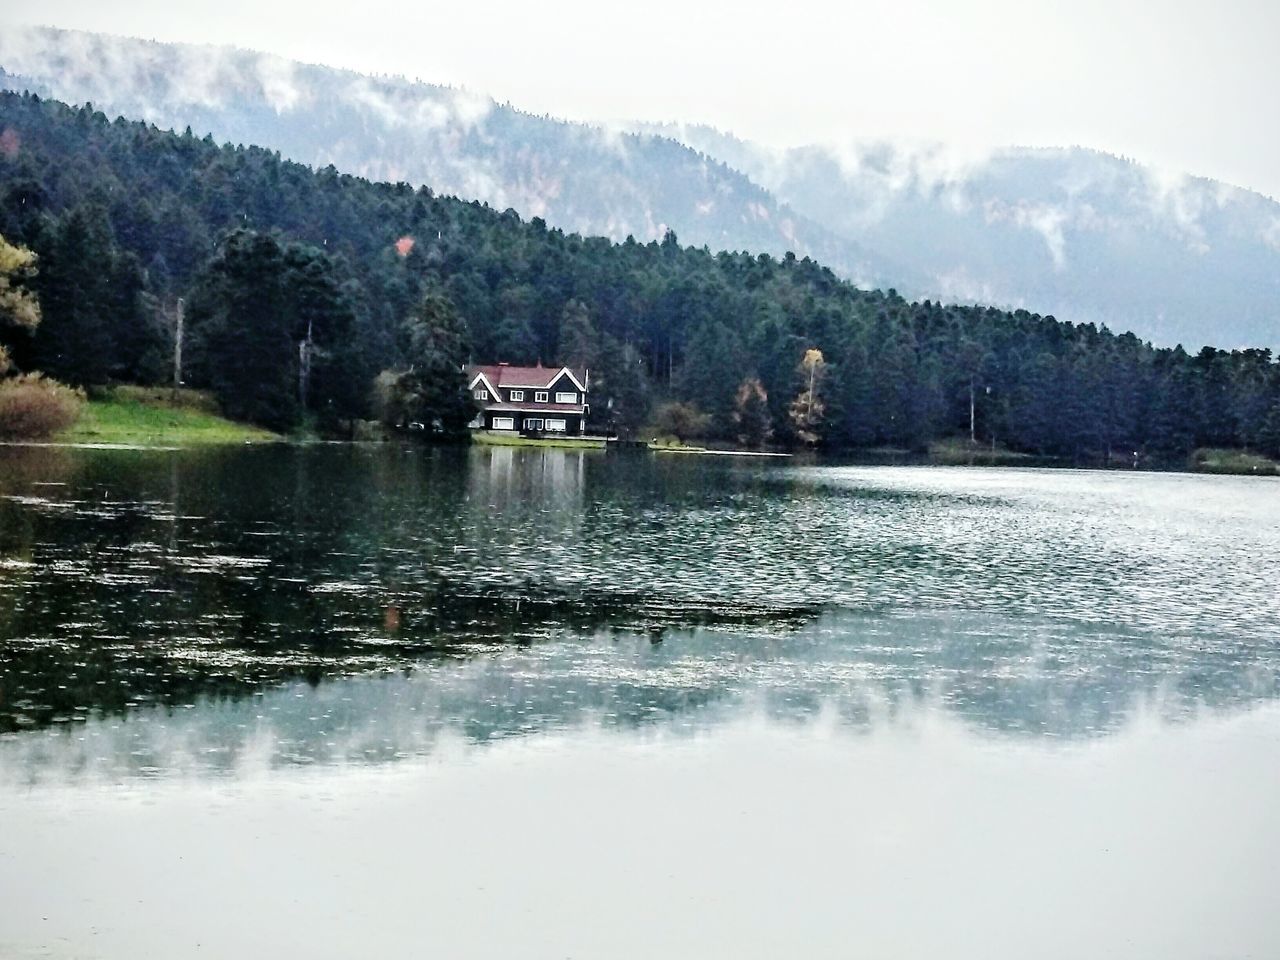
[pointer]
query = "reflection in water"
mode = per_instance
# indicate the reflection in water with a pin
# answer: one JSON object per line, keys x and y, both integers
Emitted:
{"x": 133, "y": 577}
{"x": 1010, "y": 677}
{"x": 512, "y": 702}
{"x": 754, "y": 840}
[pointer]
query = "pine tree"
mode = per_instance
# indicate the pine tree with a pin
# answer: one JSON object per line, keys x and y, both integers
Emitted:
{"x": 75, "y": 343}
{"x": 433, "y": 390}
{"x": 579, "y": 339}
{"x": 242, "y": 331}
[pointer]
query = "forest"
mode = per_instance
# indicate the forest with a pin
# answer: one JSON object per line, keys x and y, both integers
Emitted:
{"x": 308, "y": 296}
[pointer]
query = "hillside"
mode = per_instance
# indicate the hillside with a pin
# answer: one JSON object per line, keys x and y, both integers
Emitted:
{"x": 275, "y": 261}
{"x": 1073, "y": 233}
{"x": 1081, "y": 234}
{"x": 580, "y": 178}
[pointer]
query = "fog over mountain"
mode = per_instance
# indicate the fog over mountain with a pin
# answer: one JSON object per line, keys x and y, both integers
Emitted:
{"x": 1072, "y": 232}
{"x": 586, "y": 179}
{"x": 1078, "y": 233}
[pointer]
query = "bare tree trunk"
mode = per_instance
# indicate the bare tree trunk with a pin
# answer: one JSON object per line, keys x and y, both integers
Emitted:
{"x": 808, "y": 417}
{"x": 304, "y": 367}
{"x": 177, "y": 347}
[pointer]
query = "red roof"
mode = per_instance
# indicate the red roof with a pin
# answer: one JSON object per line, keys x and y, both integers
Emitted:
{"x": 536, "y": 378}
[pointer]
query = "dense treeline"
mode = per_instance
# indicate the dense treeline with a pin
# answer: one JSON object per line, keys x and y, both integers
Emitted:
{"x": 299, "y": 286}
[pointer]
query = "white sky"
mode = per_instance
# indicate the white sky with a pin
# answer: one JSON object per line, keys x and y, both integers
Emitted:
{"x": 1186, "y": 84}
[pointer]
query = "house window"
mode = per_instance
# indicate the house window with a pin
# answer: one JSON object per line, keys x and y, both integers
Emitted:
{"x": 555, "y": 426}
{"x": 517, "y": 395}
{"x": 481, "y": 394}
{"x": 540, "y": 396}
{"x": 504, "y": 423}
{"x": 533, "y": 423}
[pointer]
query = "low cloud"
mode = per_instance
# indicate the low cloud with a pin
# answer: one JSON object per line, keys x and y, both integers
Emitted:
{"x": 1271, "y": 235}
{"x": 1047, "y": 221}
{"x": 1181, "y": 201}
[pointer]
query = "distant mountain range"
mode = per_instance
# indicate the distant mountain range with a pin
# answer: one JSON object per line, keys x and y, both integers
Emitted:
{"x": 1082, "y": 235}
{"x": 1074, "y": 232}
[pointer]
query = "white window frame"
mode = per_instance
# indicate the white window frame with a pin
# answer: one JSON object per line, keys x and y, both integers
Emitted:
{"x": 560, "y": 397}
{"x": 481, "y": 393}
{"x": 530, "y": 421}
{"x": 504, "y": 423}
{"x": 517, "y": 396}
{"x": 556, "y": 425}
{"x": 540, "y": 397}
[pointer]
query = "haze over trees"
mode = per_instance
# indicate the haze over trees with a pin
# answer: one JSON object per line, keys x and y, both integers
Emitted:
{"x": 303, "y": 285}
{"x": 1083, "y": 235}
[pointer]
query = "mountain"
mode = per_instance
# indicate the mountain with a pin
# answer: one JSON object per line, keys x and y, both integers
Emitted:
{"x": 1087, "y": 236}
{"x": 1081, "y": 235}
{"x": 584, "y": 179}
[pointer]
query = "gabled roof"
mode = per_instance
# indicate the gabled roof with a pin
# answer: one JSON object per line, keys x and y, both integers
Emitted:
{"x": 530, "y": 378}
{"x": 475, "y": 376}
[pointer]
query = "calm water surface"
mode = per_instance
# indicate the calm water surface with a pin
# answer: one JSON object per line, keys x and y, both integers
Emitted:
{"x": 350, "y": 701}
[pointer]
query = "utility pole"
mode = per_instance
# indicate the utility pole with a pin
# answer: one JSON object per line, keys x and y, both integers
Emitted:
{"x": 973, "y": 437}
{"x": 177, "y": 348}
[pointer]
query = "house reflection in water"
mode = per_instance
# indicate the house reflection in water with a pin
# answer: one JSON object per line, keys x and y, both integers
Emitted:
{"x": 527, "y": 489}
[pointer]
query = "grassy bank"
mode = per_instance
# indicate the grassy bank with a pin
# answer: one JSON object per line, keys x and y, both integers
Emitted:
{"x": 1213, "y": 460}
{"x": 957, "y": 451}
{"x": 486, "y": 438}
{"x": 140, "y": 416}
{"x": 672, "y": 445}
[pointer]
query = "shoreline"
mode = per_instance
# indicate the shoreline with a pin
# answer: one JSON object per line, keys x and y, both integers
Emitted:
{"x": 1247, "y": 465}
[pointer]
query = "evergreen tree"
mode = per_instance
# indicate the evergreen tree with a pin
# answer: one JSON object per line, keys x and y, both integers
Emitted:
{"x": 620, "y": 389}
{"x": 243, "y": 331}
{"x": 433, "y": 390}
{"x": 579, "y": 339}
{"x": 1268, "y": 435}
{"x": 74, "y": 342}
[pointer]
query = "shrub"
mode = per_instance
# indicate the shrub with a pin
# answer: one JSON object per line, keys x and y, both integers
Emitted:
{"x": 32, "y": 406}
{"x": 684, "y": 421}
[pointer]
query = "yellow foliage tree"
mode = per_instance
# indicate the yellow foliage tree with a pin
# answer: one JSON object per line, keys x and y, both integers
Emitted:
{"x": 808, "y": 409}
{"x": 18, "y": 305}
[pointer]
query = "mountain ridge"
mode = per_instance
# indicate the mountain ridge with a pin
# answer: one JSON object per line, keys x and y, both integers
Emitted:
{"x": 1070, "y": 232}
{"x": 453, "y": 140}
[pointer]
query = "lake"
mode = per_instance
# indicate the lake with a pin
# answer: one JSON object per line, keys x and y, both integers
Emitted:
{"x": 345, "y": 700}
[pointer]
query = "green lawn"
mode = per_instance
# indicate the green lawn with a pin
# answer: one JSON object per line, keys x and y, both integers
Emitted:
{"x": 487, "y": 438}
{"x": 959, "y": 451}
{"x": 672, "y": 445}
{"x": 137, "y": 416}
{"x": 1212, "y": 460}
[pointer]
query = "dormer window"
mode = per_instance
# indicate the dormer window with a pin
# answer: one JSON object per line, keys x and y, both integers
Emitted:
{"x": 540, "y": 396}
{"x": 517, "y": 395}
{"x": 566, "y": 398}
{"x": 481, "y": 394}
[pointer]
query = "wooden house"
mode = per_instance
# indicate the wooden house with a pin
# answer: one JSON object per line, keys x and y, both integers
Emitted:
{"x": 530, "y": 401}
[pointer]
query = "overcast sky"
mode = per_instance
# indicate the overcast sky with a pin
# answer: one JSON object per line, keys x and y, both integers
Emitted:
{"x": 1191, "y": 86}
